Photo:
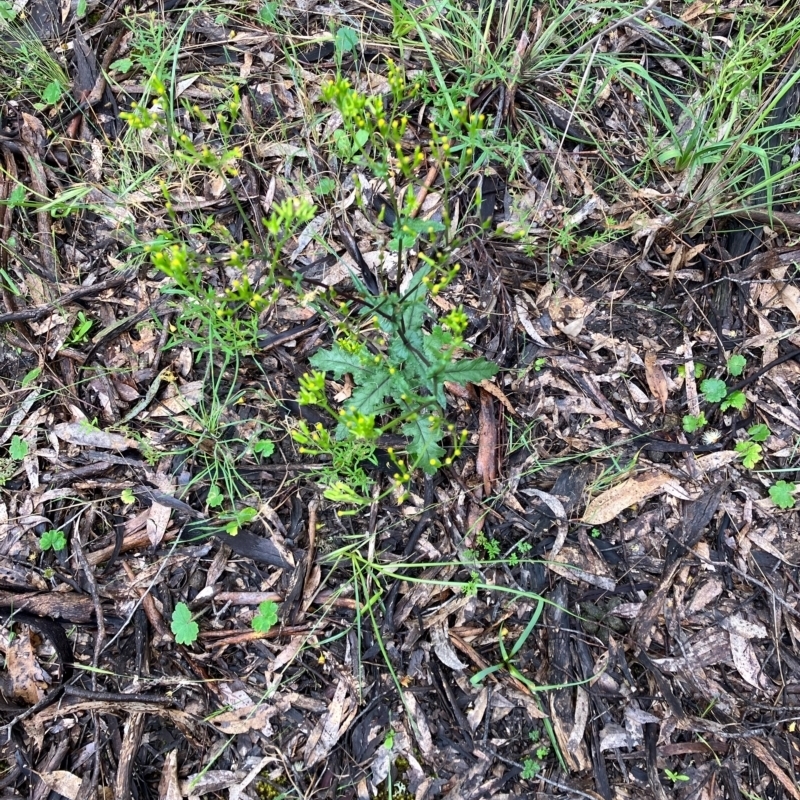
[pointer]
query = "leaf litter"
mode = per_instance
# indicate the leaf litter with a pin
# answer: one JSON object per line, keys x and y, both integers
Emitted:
{"x": 655, "y": 241}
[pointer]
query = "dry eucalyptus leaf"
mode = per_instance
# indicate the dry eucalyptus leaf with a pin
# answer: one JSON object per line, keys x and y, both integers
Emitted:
{"x": 85, "y": 435}
{"x": 614, "y": 501}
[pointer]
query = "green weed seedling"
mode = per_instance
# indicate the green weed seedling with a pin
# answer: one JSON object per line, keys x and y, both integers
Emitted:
{"x": 18, "y": 448}
{"x": 400, "y": 368}
{"x": 694, "y": 422}
{"x": 750, "y": 448}
{"x": 267, "y": 617}
{"x": 52, "y": 540}
{"x": 782, "y": 494}
{"x": 183, "y": 626}
{"x": 676, "y": 777}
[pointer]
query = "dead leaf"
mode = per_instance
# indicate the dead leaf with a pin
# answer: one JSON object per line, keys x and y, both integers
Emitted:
{"x": 440, "y": 637}
{"x": 486, "y": 463}
{"x": 178, "y": 399}
{"x": 747, "y": 663}
{"x": 62, "y": 782}
{"x": 614, "y": 501}
{"x": 497, "y": 392}
{"x": 168, "y": 786}
{"x": 22, "y": 666}
{"x": 656, "y": 378}
{"x": 85, "y": 435}
{"x": 244, "y": 720}
{"x": 331, "y": 725}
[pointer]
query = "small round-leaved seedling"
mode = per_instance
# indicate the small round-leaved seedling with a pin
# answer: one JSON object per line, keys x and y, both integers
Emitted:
{"x": 52, "y": 540}
{"x": 183, "y": 626}
{"x": 782, "y": 494}
{"x": 714, "y": 390}
{"x": 736, "y": 365}
{"x": 267, "y": 616}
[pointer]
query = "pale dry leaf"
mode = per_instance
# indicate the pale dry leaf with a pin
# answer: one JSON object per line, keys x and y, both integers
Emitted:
{"x": 22, "y": 667}
{"x": 168, "y": 786}
{"x": 288, "y": 652}
{"x": 62, "y": 782}
{"x": 614, "y": 501}
{"x": 244, "y": 720}
{"x": 440, "y": 638}
{"x": 497, "y": 392}
{"x": 207, "y": 781}
{"x": 746, "y": 662}
{"x": 763, "y": 755}
{"x": 85, "y": 435}
{"x": 326, "y": 732}
{"x": 420, "y": 727}
{"x": 178, "y": 399}
{"x": 656, "y": 378}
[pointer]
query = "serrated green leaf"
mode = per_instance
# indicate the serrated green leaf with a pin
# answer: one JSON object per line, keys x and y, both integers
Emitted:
{"x": 782, "y": 493}
{"x": 713, "y": 389}
{"x": 127, "y": 496}
{"x": 736, "y": 365}
{"x": 424, "y": 447}
{"x": 750, "y": 452}
{"x": 121, "y": 65}
{"x": 183, "y": 626}
{"x": 346, "y": 39}
{"x": 339, "y": 362}
{"x": 17, "y": 196}
{"x": 735, "y": 400}
{"x": 369, "y": 396}
{"x": 693, "y": 423}
{"x": 469, "y": 370}
{"x": 759, "y": 433}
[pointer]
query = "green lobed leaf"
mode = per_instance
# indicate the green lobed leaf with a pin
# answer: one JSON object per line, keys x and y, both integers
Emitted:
{"x": 759, "y": 433}
{"x": 53, "y": 540}
{"x": 736, "y": 364}
{"x": 183, "y": 626}
{"x": 267, "y": 616}
{"x": 340, "y": 363}
{"x": 782, "y": 494}
{"x": 264, "y": 448}
{"x": 19, "y": 448}
{"x": 714, "y": 390}
{"x": 424, "y": 447}
{"x": 735, "y": 400}
{"x": 469, "y": 370}
{"x": 215, "y": 496}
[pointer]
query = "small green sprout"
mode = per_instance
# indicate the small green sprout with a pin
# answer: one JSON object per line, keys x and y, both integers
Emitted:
{"x": 52, "y": 540}
{"x": 215, "y": 496}
{"x": 127, "y": 496}
{"x": 694, "y": 422}
{"x": 750, "y": 452}
{"x": 263, "y": 447}
{"x": 676, "y": 777}
{"x": 736, "y": 365}
{"x": 267, "y": 616}
{"x": 714, "y": 390}
{"x": 782, "y": 494}
{"x": 19, "y": 448}
{"x": 759, "y": 433}
{"x": 183, "y": 626}
{"x": 735, "y": 400}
